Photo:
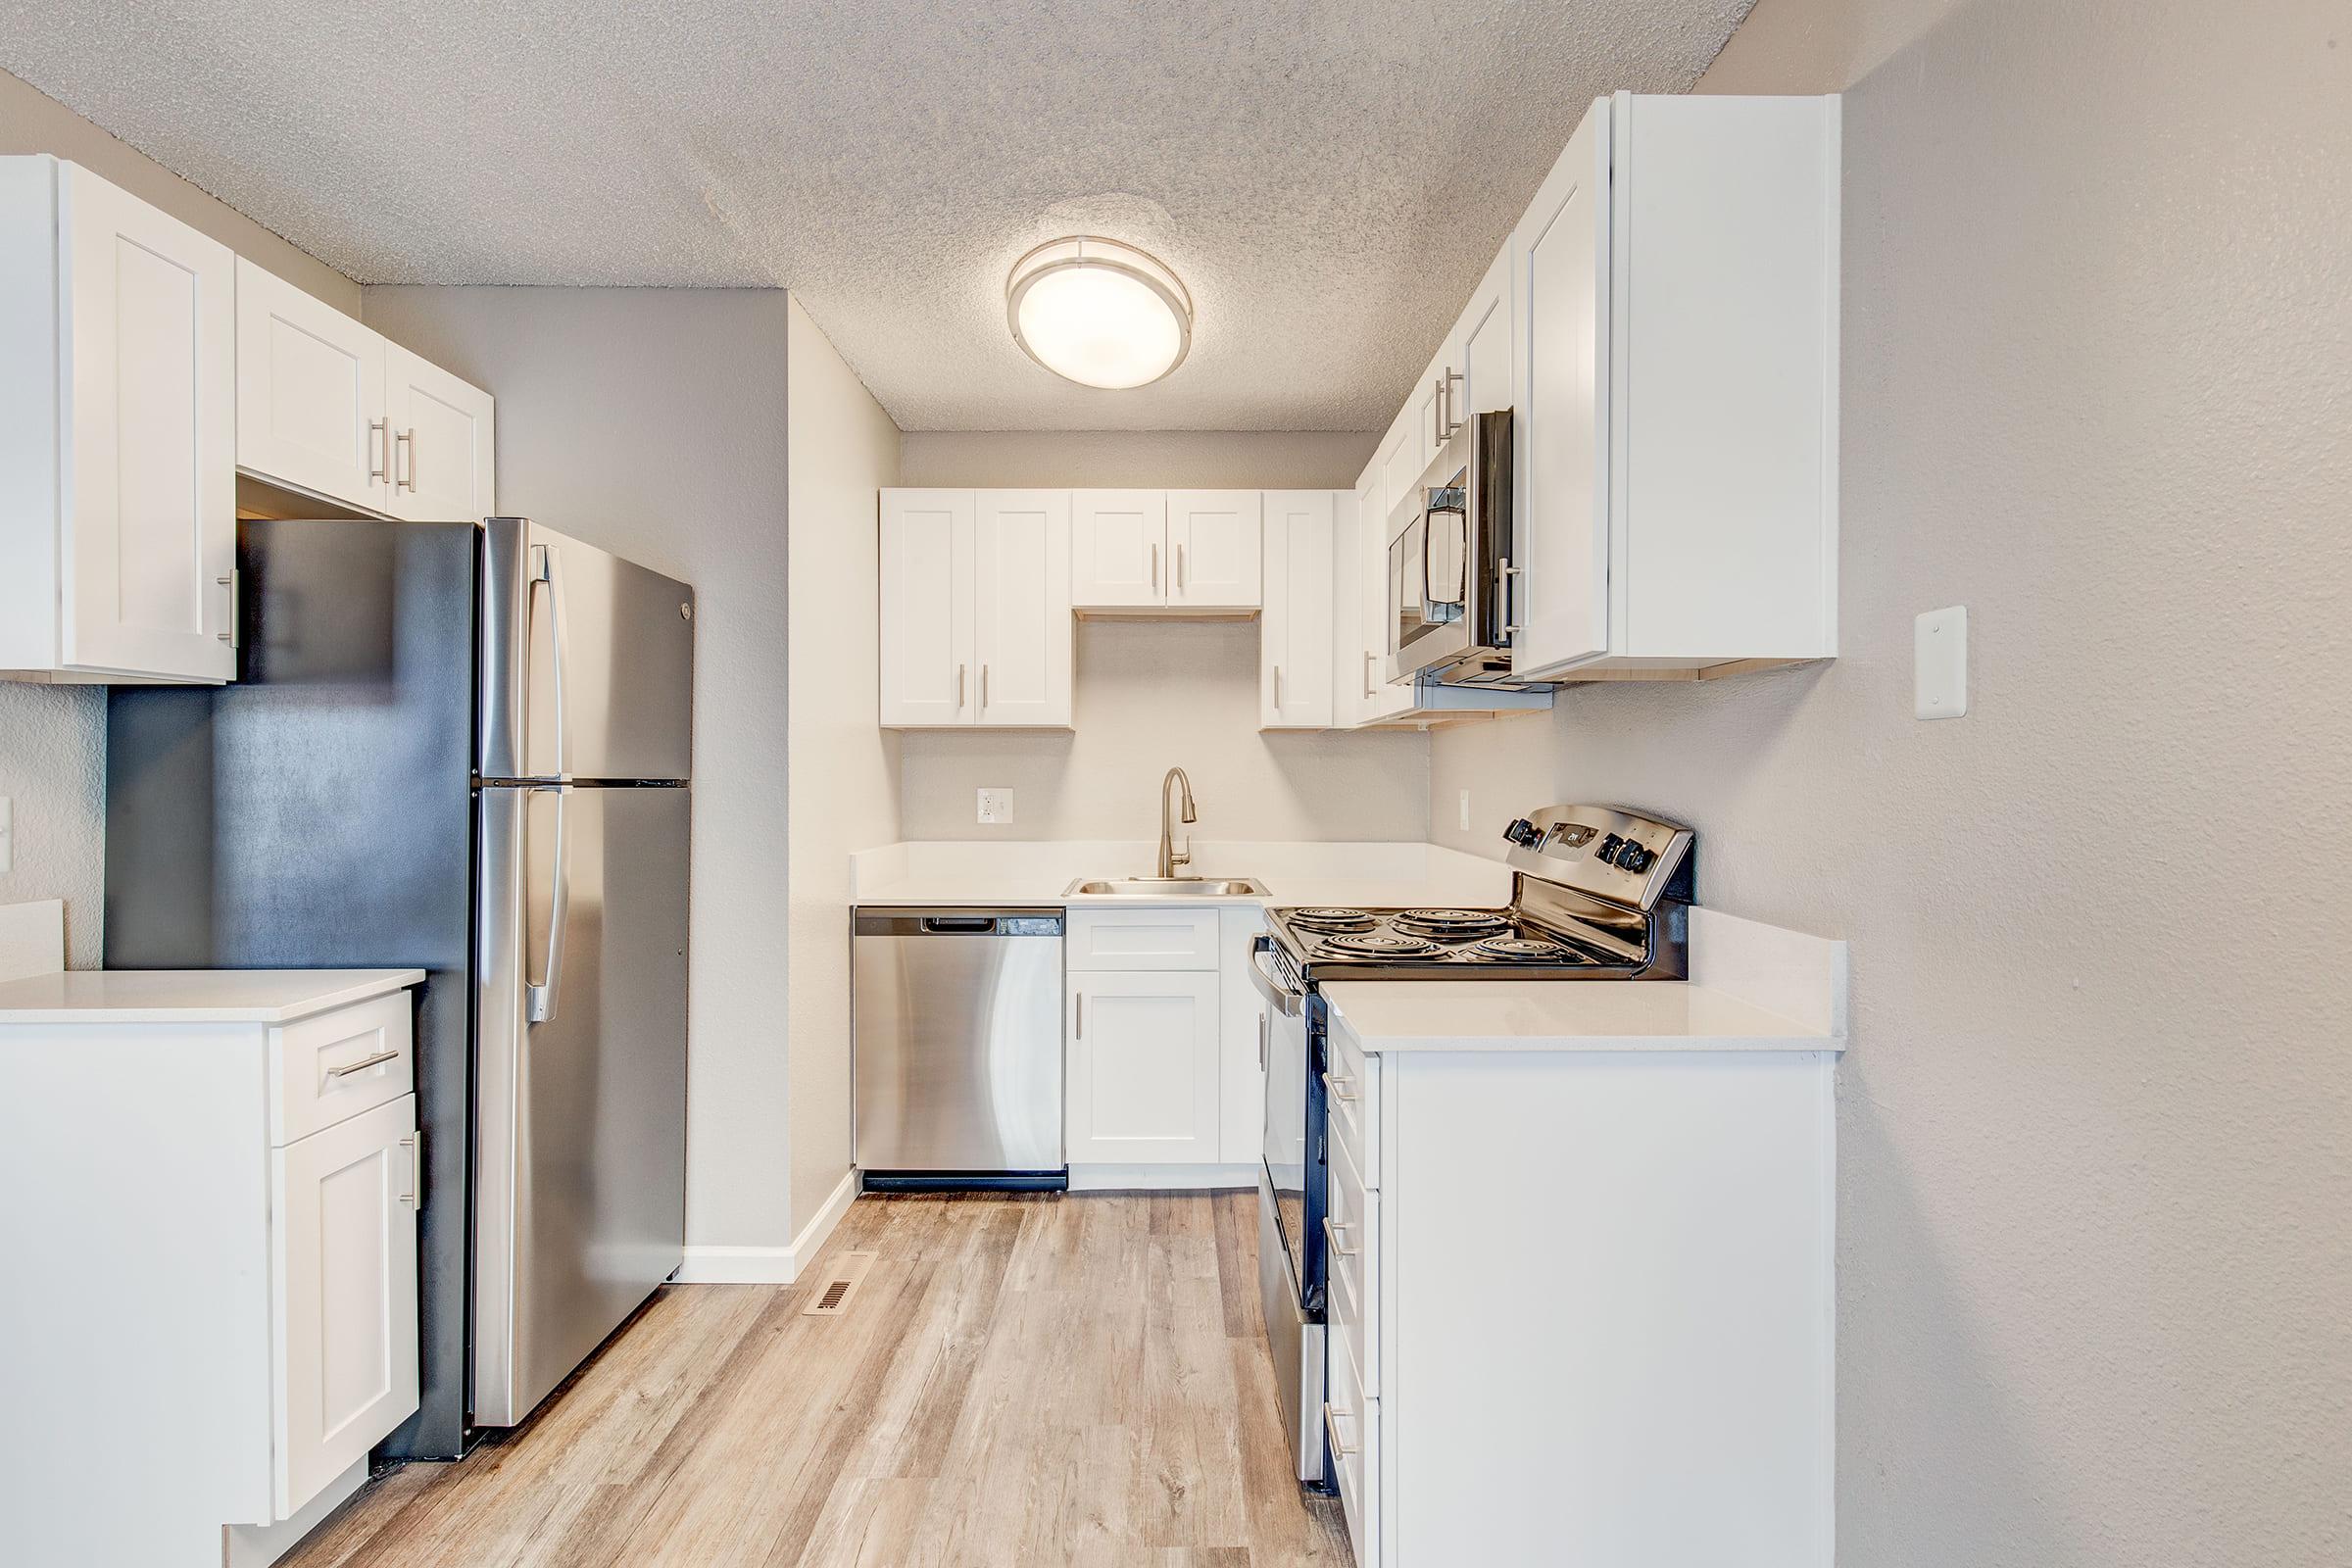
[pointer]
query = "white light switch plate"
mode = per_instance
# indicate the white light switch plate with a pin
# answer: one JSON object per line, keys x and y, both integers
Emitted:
{"x": 996, "y": 805}
{"x": 1939, "y": 664}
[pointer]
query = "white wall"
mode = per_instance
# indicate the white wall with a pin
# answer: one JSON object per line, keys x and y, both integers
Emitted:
{"x": 652, "y": 422}
{"x": 844, "y": 790}
{"x": 1180, "y": 459}
{"x": 53, "y": 738}
{"x": 2096, "y": 1125}
{"x": 1154, "y": 695}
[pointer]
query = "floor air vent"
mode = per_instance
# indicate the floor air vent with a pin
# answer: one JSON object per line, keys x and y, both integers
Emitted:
{"x": 832, "y": 1298}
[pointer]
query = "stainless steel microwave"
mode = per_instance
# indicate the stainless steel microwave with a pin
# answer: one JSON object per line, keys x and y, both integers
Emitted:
{"x": 1449, "y": 562}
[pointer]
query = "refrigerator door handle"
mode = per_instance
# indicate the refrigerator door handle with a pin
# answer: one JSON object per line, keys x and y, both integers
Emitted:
{"x": 539, "y": 996}
{"x": 543, "y": 571}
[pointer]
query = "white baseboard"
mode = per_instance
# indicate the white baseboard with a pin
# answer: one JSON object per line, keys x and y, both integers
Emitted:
{"x": 259, "y": 1545}
{"x": 1161, "y": 1178}
{"x": 768, "y": 1265}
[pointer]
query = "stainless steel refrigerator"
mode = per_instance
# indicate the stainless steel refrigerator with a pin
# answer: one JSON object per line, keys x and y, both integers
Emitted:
{"x": 462, "y": 747}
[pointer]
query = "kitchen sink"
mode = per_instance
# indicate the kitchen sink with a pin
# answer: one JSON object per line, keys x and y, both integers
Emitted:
{"x": 1160, "y": 887}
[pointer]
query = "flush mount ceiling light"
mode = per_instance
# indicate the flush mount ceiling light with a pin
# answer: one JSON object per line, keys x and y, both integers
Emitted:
{"x": 1098, "y": 313}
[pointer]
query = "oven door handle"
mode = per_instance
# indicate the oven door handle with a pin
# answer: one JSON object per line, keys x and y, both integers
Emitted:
{"x": 1290, "y": 1004}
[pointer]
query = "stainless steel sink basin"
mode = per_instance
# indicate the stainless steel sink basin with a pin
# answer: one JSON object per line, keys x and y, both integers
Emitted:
{"x": 1160, "y": 887}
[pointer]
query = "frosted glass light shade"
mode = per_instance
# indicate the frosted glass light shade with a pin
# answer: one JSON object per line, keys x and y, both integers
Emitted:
{"x": 1098, "y": 313}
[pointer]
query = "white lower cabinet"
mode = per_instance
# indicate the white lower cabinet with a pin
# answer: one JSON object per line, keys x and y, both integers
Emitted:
{"x": 222, "y": 1209}
{"x": 1142, "y": 1067}
{"x": 343, "y": 1336}
{"x": 1581, "y": 1305}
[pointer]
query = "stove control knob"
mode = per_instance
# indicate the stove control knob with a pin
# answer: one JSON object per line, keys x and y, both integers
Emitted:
{"x": 1606, "y": 854}
{"x": 1635, "y": 859}
{"x": 1524, "y": 833}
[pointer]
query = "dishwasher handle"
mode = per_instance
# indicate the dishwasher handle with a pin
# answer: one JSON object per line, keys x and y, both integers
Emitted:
{"x": 956, "y": 921}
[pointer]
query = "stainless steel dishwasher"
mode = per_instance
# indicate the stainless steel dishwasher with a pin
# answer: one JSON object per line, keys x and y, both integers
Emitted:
{"x": 958, "y": 1034}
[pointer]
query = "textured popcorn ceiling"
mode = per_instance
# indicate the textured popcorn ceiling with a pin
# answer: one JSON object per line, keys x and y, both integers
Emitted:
{"x": 1329, "y": 177}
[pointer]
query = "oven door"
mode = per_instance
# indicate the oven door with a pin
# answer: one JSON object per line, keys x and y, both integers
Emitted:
{"x": 1292, "y": 1144}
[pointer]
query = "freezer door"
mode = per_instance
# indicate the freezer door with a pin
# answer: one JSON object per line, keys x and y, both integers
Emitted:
{"x": 580, "y": 1076}
{"x": 587, "y": 662}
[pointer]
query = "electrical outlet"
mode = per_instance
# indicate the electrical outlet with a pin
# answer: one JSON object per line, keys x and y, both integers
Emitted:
{"x": 1466, "y": 811}
{"x": 8, "y": 835}
{"x": 996, "y": 804}
{"x": 1939, "y": 664}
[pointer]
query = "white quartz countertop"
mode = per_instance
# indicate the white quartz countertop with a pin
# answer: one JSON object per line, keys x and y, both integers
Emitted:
{"x": 192, "y": 995}
{"x": 1561, "y": 1015}
{"x": 1040, "y": 873}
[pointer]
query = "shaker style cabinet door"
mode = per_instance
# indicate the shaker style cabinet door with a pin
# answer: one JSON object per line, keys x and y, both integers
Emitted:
{"x": 1143, "y": 1068}
{"x": 310, "y": 389}
{"x": 1020, "y": 613}
{"x": 925, "y": 660}
{"x": 1560, "y": 263}
{"x": 1213, "y": 548}
{"x": 1118, "y": 549}
{"x": 444, "y": 432}
{"x": 1482, "y": 345}
{"x": 344, "y": 1329}
{"x": 148, "y": 435}
{"x": 1294, "y": 673}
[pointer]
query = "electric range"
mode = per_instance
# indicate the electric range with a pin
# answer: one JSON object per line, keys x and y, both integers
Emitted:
{"x": 1597, "y": 893}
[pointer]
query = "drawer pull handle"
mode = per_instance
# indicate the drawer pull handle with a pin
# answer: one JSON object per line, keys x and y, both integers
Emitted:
{"x": 1333, "y": 1415}
{"x": 363, "y": 1065}
{"x": 1332, "y": 1086}
{"x": 1331, "y": 1234}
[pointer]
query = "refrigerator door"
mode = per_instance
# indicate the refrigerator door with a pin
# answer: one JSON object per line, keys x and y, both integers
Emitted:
{"x": 580, "y": 1110}
{"x": 587, "y": 662}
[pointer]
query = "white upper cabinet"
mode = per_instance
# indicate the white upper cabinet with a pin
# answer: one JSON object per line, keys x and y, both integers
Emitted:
{"x": 975, "y": 613}
{"x": 1021, "y": 607}
{"x": 1480, "y": 350}
{"x": 311, "y": 388}
{"x": 118, "y": 435}
{"x": 1118, "y": 549}
{"x": 1214, "y": 549}
{"x": 443, "y": 439}
{"x": 1561, "y": 523}
{"x": 1675, "y": 295}
{"x": 330, "y": 408}
{"x": 1295, "y": 643}
{"x": 925, "y": 658}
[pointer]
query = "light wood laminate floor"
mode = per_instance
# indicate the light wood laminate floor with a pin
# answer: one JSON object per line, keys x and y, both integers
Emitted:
{"x": 1066, "y": 1379}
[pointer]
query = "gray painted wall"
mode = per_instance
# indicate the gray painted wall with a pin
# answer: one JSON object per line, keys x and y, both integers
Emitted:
{"x": 652, "y": 422}
{"x": 2096, "y": 1129}
{"x": 844, "y": 793}
{"x": 1152, "y": 694}
{"x": 53, "y": 738}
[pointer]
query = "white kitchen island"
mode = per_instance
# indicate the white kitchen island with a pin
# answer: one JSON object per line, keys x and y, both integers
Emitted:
{"x": 1581, "y": 1302}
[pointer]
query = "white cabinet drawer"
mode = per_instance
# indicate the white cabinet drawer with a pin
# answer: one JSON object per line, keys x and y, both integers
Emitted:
{"x": 1141, "y": 938}
{"x": 1351, "y": 1096}
{"x": 1351, "y": 1241}
{"x": 1353, "y": 1334}
{"x": 332, "y": 1066}
{"x": 1352, "y": 1422}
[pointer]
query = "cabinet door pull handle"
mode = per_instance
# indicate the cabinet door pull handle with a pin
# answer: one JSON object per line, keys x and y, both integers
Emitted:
{"x": 363, "y": 1065}
{"x": 1503, "y": 586}
{"x": 1180, "y": 569}
{"x": 960, "y": 669}
{"x": 234, "y": 632}
{"x": 415, "y": 1144}
{"x": 984, "y": 688}
{"x": 1156, "y": 568}
{"x": 407, "y": 438}
{"x": 1331, "y": 1234}
{"x": 382, "y": 428}
{"x": 1333, "y": 1415}
{"x": 1332, "y": 1086}
{"x": 1078, "y": 1010}
{"x": 1368, "y": 692}
{"x": 1263, "y": 1025}
{"x": 1277, "y": 689}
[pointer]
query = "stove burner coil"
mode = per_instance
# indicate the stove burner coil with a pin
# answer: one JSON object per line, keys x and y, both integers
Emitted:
{"x": 1527, "y": 950}
{"x": 1379, "y": 944}
{"x": 1452, "y": 924}
{"x": 1331, "y": 920}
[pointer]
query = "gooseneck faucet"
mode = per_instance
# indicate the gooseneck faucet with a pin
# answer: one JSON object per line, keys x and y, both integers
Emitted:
{"x": 1169, "y": 858}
